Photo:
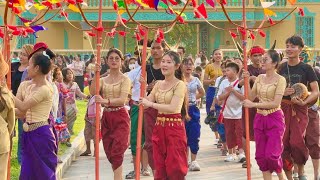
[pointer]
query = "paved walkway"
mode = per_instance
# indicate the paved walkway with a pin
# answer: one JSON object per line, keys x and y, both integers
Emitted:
{"x": 210, "y": 159}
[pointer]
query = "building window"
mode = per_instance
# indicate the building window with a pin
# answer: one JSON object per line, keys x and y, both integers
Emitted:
{"x": 305, "y": 28}
{"x": 30, "y": 39}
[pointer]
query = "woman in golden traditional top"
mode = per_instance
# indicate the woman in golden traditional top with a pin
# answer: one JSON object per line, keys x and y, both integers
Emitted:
{"x": 7, "y": 119}
{"x": 115, "y": 122}
{"x": 269, "y": 123}
{"x": 34, "y": 102}
{"x": 169, "y": 135}
{"x": 211, "y": 73}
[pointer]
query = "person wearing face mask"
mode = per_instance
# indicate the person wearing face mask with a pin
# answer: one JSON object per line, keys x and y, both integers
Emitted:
{"x": 132, "y": 63}
{"x": 294, "y": 108}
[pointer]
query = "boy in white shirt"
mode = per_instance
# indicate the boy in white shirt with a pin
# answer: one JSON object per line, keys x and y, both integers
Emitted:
{"x": 232, "y": 95}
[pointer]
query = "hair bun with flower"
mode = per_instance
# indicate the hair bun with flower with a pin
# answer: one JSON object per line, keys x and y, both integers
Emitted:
{"x": 45, "y": 54}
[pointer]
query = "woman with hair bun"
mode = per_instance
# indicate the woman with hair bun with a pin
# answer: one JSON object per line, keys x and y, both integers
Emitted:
{"x": 34, "y": 102}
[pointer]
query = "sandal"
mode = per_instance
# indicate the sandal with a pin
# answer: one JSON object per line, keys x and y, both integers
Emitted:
{"x": 224, "y": 152}
{"x": 145, "y": 172}
{"x": 244, "y": 164}
{"x": 86, "y": 153}
{"x": 131, "y": 175}
{"x": 303, "y": 177}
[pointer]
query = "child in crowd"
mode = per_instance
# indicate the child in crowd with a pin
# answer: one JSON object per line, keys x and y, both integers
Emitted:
{"x": 62, "y": 131}
{"x": 232, "y": 95}
{"x": 216, "y": 107}
{"x": 72, "y": 89}
{"x": 90, "y": 125}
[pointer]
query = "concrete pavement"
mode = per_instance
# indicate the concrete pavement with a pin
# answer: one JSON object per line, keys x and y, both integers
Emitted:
{"x": 209, "y": 158}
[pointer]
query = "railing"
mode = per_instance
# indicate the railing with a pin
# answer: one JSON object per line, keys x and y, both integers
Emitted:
{"x": 230, "y": 3}
{"x": 279, "y": 3}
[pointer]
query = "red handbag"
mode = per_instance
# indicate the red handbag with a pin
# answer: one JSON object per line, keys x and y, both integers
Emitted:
{"x": 220, "y": 118}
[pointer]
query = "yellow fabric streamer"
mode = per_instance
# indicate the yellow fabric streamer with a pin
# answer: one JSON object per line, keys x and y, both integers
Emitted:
{"x": 73, "y": 8}
{"x": 121, "y": 11}
{"x": 54, "y": 1}
{"x": 22, "y": 4}
{"x": 39, "y": 7}
{"x": 27, "y": 24}
{"x": 268, "y": 12}
{"x": 141, "y": 3}
{"x": 182, "y": 15}
{"x": 292, "y": 2}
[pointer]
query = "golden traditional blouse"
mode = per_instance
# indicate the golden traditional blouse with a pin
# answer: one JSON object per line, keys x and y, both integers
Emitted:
{"x": 213, "y": 72}
{"x": 267, "y": 92}
{"x": 165, "y": 96}
{"x": 7, "y": 120}
{"x": 42, "y": 95}
{"x": 115, "y": 90}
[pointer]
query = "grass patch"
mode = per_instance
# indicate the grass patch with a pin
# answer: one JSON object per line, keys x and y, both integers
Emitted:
{"x": 78, "y": 127}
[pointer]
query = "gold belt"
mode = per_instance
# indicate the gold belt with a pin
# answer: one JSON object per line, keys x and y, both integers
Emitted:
{"x": 113, "y": 109}
{"x": 31, "y": 127}
{"x": 163, "y": 120}
{"x": 266, "y": 112}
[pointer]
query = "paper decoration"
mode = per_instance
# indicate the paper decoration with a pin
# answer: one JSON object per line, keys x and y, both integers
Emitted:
{"x": 156, "y": 3}
{"x": 71, "y": 2}
{"x": 196, "y": 14}
{"x": 194, "y": 3}
{"x": 38, "y": 28}
{"x": 173, "y": 2}
{"x": 252, "y": 36}
{"x": 47, "y": 4}
{"x": 91, "y": 34}
{"x": 137, "y": 36}
{"x": 73, "y": 8}
{"x": 30, "y": 30}
{"x": 122, "y": 33}
{"x": 270, "y": 21}
{"x": 39, "y": 7}
{"x": 181, "y": 20}
{"x": 202, "y": 10}
{"x": 234, "y": 35}
{"x": 64, "y": 14}
{"x": 28, "y": 6}
{"x": 292, "y": 2}
{"x": 115, "y": 6}
{"x": 268, "y": 12}
{"x": 211, "y": 3}
{"x": 141, "y": 31}
{"x": 100, "y": 29}
{"x": 267, "y": 4}
{"x": 14, "y": 28}
{"x": 262, "y": 34}
{"x": 163, "y": 5}
{"x": 301, "y": 12}
{"x": 124, "y": 20}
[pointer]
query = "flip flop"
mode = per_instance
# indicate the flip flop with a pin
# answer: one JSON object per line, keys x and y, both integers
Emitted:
{"x": 86, "y": 154}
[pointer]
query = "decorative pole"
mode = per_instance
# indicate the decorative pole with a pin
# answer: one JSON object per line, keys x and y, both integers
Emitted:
{"x": 142, "y": 94}
{"x": 99, "y": 30}
{"x": 246, "y": 87}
